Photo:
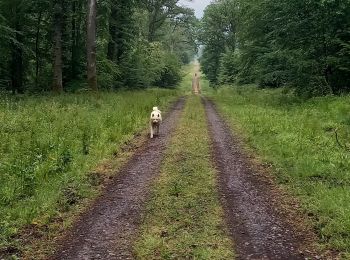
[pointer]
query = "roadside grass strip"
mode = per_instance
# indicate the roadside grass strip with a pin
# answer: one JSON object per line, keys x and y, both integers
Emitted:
{"x": 184, "y": 218}
{"x": 298, "y": 139}
{"x": 49, "y": 146}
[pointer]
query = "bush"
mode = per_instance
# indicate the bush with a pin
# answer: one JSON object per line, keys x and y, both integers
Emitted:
{"x": 108, "y": 74}
{"x": 144, "y": 65}
{"x": 273, "y": 69}
{"x": 170, "y": 75}
{"x": 228, "y": 67}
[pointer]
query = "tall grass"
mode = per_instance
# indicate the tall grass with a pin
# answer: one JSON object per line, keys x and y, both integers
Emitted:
{"x": 298, "y": 138}
{"x": 49, "y": 144}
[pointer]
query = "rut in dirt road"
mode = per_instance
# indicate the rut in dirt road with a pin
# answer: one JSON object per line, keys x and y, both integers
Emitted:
{"x": 107, "y": 230}
{"x": 259, "y": 231}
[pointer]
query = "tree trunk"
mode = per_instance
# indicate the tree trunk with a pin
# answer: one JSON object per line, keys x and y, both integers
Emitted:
{"x": 17, "y": 62}
{"x": 37, "y": 54}
{"x": 152, "y": 27}
{"x": 57, "y": 62}
{"x": 112, "y": 39}
{"x": 17, "y": 70}
{"x": 112, "y": 43}
{"x": 74, "y": 47}
{"x": 91, "y": 45}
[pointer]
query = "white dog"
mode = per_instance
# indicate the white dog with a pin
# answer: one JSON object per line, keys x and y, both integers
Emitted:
{"x": 155, "y": 120}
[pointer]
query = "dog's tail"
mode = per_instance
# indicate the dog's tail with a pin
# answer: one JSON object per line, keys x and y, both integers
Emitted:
{"x": 155, "y": 108}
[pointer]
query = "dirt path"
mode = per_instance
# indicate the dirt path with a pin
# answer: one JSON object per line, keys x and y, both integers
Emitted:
{"x": 107, "y": 230}
{"x": 260, "y": 230}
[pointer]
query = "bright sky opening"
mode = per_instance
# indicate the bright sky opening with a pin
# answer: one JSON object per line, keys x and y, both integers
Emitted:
{"x": 197, "y": 5}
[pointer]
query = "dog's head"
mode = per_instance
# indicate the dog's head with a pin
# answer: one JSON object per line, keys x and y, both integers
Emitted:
{"x": 156, "y": 116}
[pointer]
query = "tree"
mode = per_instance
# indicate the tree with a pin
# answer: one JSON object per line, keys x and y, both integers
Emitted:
{"x": 57, "y": 62}
{"x": 15, "y": 17}
{"x": 91, "y": 45}
{"x": 158, "y": 12}
{"x": 217, "y": 36}
{"x": 297, "y": 44}
{"x": 43, "y": 41}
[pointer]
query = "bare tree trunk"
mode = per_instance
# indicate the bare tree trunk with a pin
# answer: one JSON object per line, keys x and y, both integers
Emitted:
{"x": 17, "y": 69}
{"x": 37, "y": 54}
{"x": 74, "y": 48}
{"x": 91, "y": 45}
{"x": 112, "y": 40}
{"x": 17, "y": 62}
{"x": 57, "y": 62}
{"x": 152, "y": 26}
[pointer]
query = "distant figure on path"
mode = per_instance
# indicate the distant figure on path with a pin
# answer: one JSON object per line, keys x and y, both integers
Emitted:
{"x": 196, "y": 88}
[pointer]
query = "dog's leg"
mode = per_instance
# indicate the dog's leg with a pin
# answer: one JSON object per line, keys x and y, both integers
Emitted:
{"x": 158, "y": 130}
{"x": 151, "y": 128}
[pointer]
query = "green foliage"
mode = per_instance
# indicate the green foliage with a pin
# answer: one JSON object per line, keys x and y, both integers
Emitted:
{"x": 219, "y": 39}
{"x": 131, "y": 36}
{"x": 298, "y": 139}
{"x": 144, "y": 65}
{"x": 298, "y": 44}
{"x": 50, "y": 144}
{"x": 170, "y": 75}
{"x": 228, "y": 67}
{"x": 108, "y": 74}
{"x": 214, "y": 37}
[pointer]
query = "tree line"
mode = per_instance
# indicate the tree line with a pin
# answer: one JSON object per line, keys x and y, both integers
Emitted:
{"x": 68, "y": 45}
{"x": 300, "y": 44}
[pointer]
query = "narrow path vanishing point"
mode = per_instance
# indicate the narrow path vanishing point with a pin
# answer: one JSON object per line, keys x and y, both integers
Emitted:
{"x": 107, "y": 230}
{"x": 259, "y": 231}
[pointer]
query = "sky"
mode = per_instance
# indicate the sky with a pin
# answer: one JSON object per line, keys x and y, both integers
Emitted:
{"x": 197, "y": 5}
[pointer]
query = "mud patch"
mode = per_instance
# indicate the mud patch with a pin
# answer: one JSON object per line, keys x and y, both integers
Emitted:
{"x": 107, "y": 230}
{"x": 257, "y": 220}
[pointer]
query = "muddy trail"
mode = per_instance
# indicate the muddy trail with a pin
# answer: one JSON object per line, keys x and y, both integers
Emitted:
{"x": 108, "y": 228}
{"x": 256, "y": 222}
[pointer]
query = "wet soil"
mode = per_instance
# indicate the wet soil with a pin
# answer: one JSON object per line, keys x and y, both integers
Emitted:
{"x": 257, "y": 222}
{"x": 108, "y": 228}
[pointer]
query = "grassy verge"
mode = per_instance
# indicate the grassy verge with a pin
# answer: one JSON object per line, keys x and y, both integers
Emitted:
{"x": 184, "y": 218}
{"x": 49, "y": 146}
{"x": 298, "y": 139}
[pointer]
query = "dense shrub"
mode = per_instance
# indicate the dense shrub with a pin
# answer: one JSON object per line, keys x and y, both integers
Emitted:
{"x": 170, "y": 75}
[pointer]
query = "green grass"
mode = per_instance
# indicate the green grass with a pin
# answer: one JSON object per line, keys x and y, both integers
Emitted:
{"x": 184, "y": 218}
{"x": 298, "y": 138}
{"x": 50, "y": 144}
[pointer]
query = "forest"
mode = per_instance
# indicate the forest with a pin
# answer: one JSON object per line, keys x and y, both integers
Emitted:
{"x": 300, "y": 45}
{"x": 50, "y": 45}
{"x": 252, "y": 163}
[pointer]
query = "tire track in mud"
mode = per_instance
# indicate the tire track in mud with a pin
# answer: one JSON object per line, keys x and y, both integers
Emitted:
{"x": 107, "y": 229}
{"x": 255, "y": 222}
